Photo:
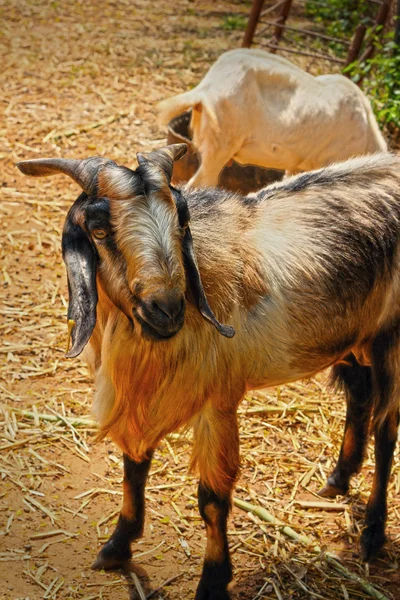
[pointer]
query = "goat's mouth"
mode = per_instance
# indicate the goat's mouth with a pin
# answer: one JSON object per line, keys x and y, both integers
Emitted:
{"x": 154, "y": 333}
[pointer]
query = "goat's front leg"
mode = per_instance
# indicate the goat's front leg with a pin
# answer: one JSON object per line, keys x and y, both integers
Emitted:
{"x": 131, "y": 519}
{"x": 216, "y": 453}
{"x": 217, "y": 567}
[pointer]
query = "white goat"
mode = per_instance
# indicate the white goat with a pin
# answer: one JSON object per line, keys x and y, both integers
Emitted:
{"x": 258, "y": 108}
{"x": 308, "y": 273}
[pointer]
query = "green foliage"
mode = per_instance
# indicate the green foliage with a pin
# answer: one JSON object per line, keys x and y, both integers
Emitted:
{"x": 233, "y": 22}
{"x": 380, "y": 75}
{"x": 381, "y": 80}
{"x": 342, "y": 15}
{"x": 339, "y": 19}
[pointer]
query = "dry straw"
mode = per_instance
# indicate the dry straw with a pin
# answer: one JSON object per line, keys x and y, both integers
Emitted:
{"x": 80, "y": 79}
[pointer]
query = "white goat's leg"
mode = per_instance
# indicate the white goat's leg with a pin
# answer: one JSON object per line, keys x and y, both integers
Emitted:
{"x": 213, "y": 160}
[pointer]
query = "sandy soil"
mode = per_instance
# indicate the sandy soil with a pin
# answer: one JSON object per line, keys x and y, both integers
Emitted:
{"x": 78, "y": 79}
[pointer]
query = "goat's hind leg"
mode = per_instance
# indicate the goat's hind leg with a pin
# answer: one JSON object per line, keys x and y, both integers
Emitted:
{"x": 357, "y": 383}
{"x": 373, "y": 536}
{"x": 131, "y": 519}
{"x": 386, "y": 373}
{"x": 213, "y": 160}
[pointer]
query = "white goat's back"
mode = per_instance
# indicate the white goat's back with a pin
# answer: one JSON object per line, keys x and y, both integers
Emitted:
{"x": 261, "y": 109}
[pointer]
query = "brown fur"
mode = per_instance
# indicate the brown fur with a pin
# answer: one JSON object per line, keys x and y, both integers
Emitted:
{"x": 349, "y": 443}
{"x": 128, "y": 505}
{"x": 215, "y": 451}
{"x": 215, "y": 549}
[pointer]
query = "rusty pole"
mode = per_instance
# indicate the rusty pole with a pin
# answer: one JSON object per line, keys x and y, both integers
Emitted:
{"x": 397, "y": 25}
{"x": 252, "y": 23}
{"x": 356, "y": 43}
{"x": 280, "y": 22}
{"x": 381, "y": 19}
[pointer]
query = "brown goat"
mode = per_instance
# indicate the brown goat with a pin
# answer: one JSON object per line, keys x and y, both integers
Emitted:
{"x": 307, "y": 271}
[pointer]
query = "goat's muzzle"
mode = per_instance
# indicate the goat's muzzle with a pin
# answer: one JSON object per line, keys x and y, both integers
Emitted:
{"x": 161, "y": 317}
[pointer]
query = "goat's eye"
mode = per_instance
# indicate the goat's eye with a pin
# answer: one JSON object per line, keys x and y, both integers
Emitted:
{"x": 185, "y": 225}
{"x": 99, "y": 234}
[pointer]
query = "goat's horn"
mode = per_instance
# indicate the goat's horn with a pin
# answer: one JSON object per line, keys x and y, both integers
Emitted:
{"x": 164, "y": 157}
{"x": 84, "y": 172}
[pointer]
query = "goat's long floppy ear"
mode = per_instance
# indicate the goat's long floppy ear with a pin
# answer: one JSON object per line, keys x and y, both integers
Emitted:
{"x": 164, "y": 158}
{"x": 81, "y": 262}
{"x": 196, "y": 287}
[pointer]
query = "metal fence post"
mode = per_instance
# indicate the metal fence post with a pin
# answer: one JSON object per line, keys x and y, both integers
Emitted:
{"x": 252, "y": 23}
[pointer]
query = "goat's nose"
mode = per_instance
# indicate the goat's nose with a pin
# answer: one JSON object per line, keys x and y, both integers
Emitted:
{"x": 168, "y": 307}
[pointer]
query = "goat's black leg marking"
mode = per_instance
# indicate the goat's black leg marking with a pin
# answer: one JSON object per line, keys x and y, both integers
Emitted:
{"x": 357, "y": 382}
{"x": 131, "y": 519}
{"x": 373, "y": 536}
{"x": 385, "y": 368}
{"x": 216, "y": 453}
{"x": 217, "y": 568}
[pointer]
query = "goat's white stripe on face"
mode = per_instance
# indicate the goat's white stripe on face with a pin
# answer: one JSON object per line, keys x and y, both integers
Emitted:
{"x": 165, "y": 216}
{"x": 147, "y": 234}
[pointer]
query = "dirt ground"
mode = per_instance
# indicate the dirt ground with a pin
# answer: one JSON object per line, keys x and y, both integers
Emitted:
{"x": 79, "y": 79}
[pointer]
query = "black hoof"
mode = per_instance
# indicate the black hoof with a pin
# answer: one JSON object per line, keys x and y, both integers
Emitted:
{"x": 213, "y": 595}
{"x": 205, "y": 593}
{"x": 372, "y": 539}
{"x": 111, "y": 557}
{"x": 334, "y": 487}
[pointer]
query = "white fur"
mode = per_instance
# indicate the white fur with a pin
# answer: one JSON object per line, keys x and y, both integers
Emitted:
{"x": 258, "y": 108}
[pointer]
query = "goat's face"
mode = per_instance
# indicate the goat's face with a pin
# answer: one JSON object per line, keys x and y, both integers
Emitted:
{"x": 141, "y": 268}
{"x": 128, "y": 233}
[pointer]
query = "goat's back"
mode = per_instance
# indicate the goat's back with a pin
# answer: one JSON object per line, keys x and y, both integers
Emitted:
{"x": 260, "y": 109}
{"x": 329, "y": 242}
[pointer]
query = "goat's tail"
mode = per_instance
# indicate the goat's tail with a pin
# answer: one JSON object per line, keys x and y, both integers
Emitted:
{"x": 172, "y": 107}
{"x": 372, "y": 390}
{"x": 375, "y": 140}
{"x": 354, "y": 380}
{"x": 386, "y": 368}
{"x": 193, "y": 99}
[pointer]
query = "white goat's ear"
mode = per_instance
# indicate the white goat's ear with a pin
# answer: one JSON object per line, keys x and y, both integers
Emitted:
{"x": 163, "y": 158}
